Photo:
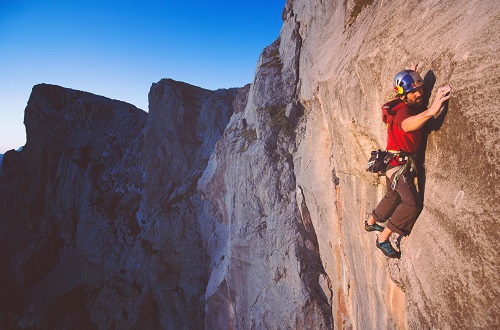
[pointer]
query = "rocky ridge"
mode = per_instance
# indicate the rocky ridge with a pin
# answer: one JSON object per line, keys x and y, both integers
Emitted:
{"x": 98, "y": 225}
{"x": 243, "y": 208}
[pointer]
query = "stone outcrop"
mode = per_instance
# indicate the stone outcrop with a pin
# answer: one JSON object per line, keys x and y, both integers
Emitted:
{"x": 299, "y": 184}
{"x": 243, "y": 208}
{"x": 74, "y": 141}
{"x": 262, "y": 243}
{"x": 446, "y": 277}
{"x": 99, "y": 209}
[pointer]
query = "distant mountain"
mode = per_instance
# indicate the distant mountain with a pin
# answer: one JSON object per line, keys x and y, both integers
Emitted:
{"x": 92, "y": 163}
{"x": 1, "y": 160}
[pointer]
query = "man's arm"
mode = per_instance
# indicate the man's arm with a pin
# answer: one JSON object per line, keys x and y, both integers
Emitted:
{"x": 413, "y": 123}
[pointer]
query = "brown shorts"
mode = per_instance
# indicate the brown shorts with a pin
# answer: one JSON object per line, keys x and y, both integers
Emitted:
{"x": 400, "y": 206}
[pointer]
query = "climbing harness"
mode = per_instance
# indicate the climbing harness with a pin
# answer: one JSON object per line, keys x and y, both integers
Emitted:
{"x": 380, "y": 159}
{"x": 408, "y": 164}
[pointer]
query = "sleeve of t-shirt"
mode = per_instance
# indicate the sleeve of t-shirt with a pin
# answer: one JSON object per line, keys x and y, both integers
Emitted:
{"x": 400, "y": 117}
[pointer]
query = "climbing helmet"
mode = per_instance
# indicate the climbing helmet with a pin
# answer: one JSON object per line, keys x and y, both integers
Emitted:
{"x": 407, "y": 81}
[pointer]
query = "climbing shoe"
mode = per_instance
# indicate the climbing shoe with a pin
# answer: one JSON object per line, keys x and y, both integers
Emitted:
{"x": 374, "y": 227}
{"x": 387, "y": 249}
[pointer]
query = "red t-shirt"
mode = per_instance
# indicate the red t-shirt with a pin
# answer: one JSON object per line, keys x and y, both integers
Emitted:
{"x": 394, "y": 112}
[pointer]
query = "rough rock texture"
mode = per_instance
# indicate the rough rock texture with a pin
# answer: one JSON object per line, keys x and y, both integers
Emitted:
{"x": 98, "y": 211}
{"x": 286, "y": 194}
{"x": 447, "y": 276}
{"x": 264, "y": 253}
{"x": 243, "y": 208}
{"x": 47, "y": 190}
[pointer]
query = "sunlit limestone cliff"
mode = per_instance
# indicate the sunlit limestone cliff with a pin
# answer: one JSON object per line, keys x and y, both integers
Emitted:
{"x": 244, "y": 208}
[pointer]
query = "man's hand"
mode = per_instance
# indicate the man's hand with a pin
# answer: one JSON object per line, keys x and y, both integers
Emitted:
{"x": 442, "y": 95}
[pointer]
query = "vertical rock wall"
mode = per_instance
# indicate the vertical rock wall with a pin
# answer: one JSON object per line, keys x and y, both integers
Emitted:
{"x": 48, "y": 190}
{"x": 294, "y": 161}
{"x": 265, "y": 264}
{"x": 446, "y": 277}
{"x": 99, "y": 210}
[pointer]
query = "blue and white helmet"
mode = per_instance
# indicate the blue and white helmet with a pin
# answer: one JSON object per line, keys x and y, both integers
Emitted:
{"x": 407, "y": 81}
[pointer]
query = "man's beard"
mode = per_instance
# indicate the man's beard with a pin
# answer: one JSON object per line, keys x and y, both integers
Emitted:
{"x": 416, "y": 104}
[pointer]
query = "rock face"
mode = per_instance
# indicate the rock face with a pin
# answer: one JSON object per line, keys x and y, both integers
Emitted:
{"x": 99, "y": 209}
{"x": 307, "y": 192}
{"x": 243, "y": 208}
{"x": 446, "y": 277}
{"x": 49, "y": 188}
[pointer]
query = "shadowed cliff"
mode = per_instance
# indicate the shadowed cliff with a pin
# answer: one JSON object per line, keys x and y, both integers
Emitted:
{"x": 99, "y": 209}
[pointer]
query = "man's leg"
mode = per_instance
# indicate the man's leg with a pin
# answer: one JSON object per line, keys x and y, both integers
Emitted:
{"x": 403, "y": 218}
{"x": 384, "y": 236}
{"x": 405, "y": 215}
{"x": 386, "y": 206}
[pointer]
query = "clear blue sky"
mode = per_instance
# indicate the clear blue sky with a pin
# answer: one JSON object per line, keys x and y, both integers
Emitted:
{"x": 118, "y": 48}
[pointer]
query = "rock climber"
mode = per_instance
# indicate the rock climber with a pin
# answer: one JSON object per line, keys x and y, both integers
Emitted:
{"x": 405, "y": 120}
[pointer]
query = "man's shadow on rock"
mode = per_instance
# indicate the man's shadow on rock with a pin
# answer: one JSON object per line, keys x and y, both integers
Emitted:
{"x": 434, "y": 124}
